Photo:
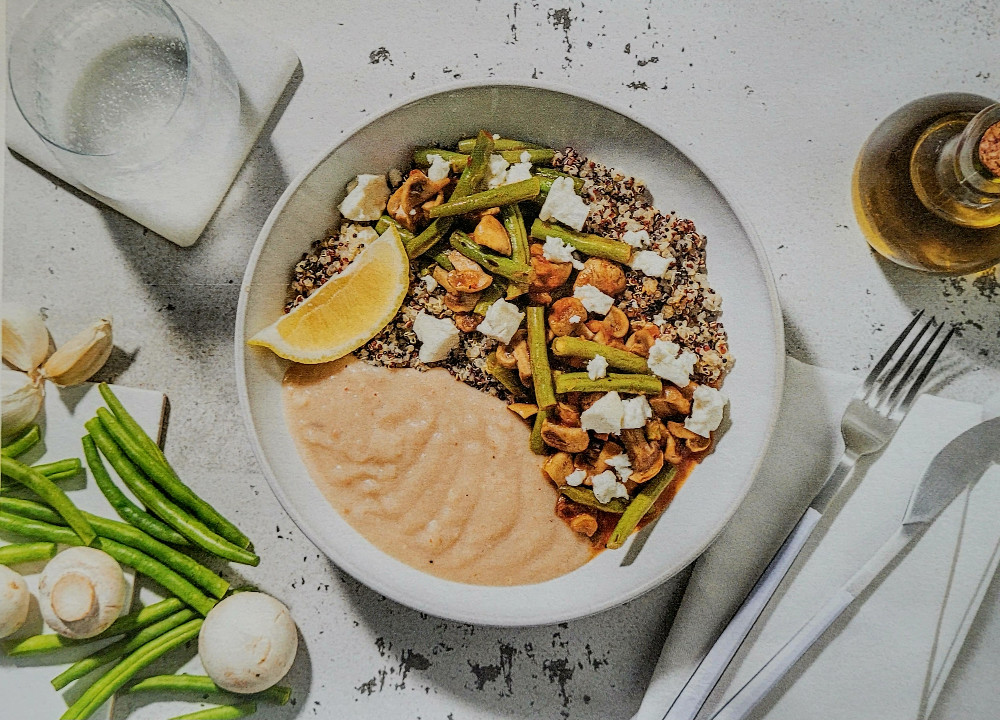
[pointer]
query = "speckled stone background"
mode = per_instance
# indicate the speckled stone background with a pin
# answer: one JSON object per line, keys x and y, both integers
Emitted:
{"x": 773, "y": 97}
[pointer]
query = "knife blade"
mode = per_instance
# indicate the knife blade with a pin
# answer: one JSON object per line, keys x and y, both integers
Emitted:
{"x": 958, "y": 465}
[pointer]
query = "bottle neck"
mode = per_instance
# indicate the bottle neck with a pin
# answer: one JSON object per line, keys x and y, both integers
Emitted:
{"x": 970, "y": 161}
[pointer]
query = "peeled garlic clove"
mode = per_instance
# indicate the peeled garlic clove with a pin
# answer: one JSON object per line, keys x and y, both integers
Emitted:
{"x": 25, "y": 337}
{"x": 22, "y": 399}
{"x": 82, "y": 356}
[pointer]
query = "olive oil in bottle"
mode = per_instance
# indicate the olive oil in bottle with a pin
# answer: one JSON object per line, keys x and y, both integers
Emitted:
{"x": 926, "y": 186}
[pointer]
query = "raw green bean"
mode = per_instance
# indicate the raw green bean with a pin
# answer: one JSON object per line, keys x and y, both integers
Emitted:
{"x": 385, "y": 222}
{"x": 614, "y": 382}
{"x": 106, "y": 686}
{"x": 60, "y": 468}
{"x": 541, "y": 374}
{"x": 120, "y": 649}
{"x": 466, "y": 145}
{"x": 278, "y": 694}
{"x": 221, "y": 712}
{"x": 49, "y": 642}
{"x": 585, "y": 496}
{"x": 588, "y": 349}
{"x": 593, "y": 245}
{"x": 496, "y": 290}
{"x": 505, "y": 376}
{"x": 494, "y": 197}
{"x": 22, "y": 443}
{"x": 554, "y": 174}
{"x": 640, "y": 505}
{"x": 27, "y": 552}
{"x": 133, "y": 440}
{"x": 124, "y": 554}
{"x": 51, "y": 494}
{"x": 513, "y": 223}
{"x": 513, "y": 270}
{"x": 130, "y": 424}
{"x": 126, "y": 509}
{"x": 124, "y": 533}
{"x": 535, "y": 441}
{"x": 191, "y": 528}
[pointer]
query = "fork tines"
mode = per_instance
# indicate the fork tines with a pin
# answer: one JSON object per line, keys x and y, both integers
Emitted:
{"x": 884, "y": 387}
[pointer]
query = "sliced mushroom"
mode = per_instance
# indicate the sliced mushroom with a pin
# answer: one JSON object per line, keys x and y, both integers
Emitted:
{"x": 670, "y": 402}
{"x": 566, "y": 316}
{"x": 646, "y": 458}
{"x": 680, "y": 432}
{"x": 605, "y": 275}
{"x": 523, "y": 360}
{"x": 584, "y": 523}
{"x": 523, "y": 410}
{"x": 640, "y": 342}
{"x": 616, "y": 321}
{"x": 467, "y": 322}
{"x": 405, "y": 205}
{"x": 558, "y": 466}
{"x": 441, "y": 276}
{"x": 470, "y": 281}
{"x": 506, "y": 357}
{"x": 547, "y": 275}
{"x": 567, "y": 439}
{"x": 568, "y": 415}
{"x": 671, "y": 452}
{"x": 460, "y": 302}
{"x": 491, "y": 234}
{"x": 698, "y": 443}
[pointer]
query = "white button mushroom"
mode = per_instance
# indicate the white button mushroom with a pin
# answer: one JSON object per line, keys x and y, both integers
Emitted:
{"x": 248, "y": 642}
{"x": 14, "y": 601}
{"x": 81, "y": 592}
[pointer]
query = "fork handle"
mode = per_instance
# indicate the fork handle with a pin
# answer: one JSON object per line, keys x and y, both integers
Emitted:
{"x": 700, "y": 685}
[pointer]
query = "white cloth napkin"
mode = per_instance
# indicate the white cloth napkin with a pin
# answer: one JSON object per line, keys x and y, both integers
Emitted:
{"x": 887, "y": 657}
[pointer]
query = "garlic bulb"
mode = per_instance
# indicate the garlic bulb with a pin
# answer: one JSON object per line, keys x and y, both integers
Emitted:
{"x": 22, "y": 399}
{"x": 25, "y": 338}
{"x": 82, "y": 356}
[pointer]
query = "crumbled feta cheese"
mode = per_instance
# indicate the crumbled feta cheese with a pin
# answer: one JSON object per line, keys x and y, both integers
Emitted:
{"x": 636, "y": 238}
{"x": 395, "y": 177}
{"x": 496, "y": 171}
{"x": 366, "y": 200}
{"x": 563, "y": 204}
{"x": 637, "y": 412}
{"x": 574, "y": 319}
{"x": 667, "y": 361}
{"x": 706, "y": 410}
{"x": 576, "y": 477}
{"x": 525, "y": 157}
{"x": 593, "y": 299}
{"x": 439, "y": 168}
{"x": 621, "y": 464}
{"x": 597, "y": 367}
{"x": 557, "y": 250}
{"x": 430, "y": 283}
{"x": 650, "y": 263}
{"x": 605, "y": 415}
{"x": 496, "y": 136}
{"x": 438, "y": 337}
{"x": 607, "y": 487}
{"x": 517, "y": 172}
{"x": 501, "y": 321}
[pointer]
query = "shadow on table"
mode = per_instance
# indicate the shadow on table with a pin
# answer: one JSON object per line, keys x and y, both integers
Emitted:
{"x": 594, "y": 667}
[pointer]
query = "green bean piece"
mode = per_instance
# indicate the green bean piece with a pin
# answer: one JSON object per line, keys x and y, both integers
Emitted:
{"x": 541, "y": 374}
{"x": 588, "y": 349}
{"x": 106, "y": 686}
{"x": 535, "y": 441}
{"x": 593, "y": 245}
{"x": 499, "y": 144}
{"x": 221, "y": 712}
{"x": 640, "y": 505}
{"x": 120, "y": 649}
{"x": 385, "y": 222}
{"x": 125, "y": 508}
{"x": 27, "y": 552}
{"x": 124, "y": 554}
{"x": 505, "y": 376}
{"x": 585, "y": 496}
{"x": 475, "y": 170}
{"x": 516, "y": 272}
{"x": 428, "y": 237}
{"x": 441, "y": 259}
{"x": 60, "y": 468}
{"x": 550, "y": 172}
{"x": 124, "y": 533}
{"x": 133, "y": 440}
{"x": 458, "y": 160}
{"x": 490, "y": 295}
{"x": 22, "y": 443}
{"x": 190, "y": 527}
{"x": 513, "y": 222}
{"x": 52, "y": 494}
{"x": 494, "y": 197}
{"x": 278, "y": 694}
{"x": 614, "y": 382}
{"x": 49, "y": 642}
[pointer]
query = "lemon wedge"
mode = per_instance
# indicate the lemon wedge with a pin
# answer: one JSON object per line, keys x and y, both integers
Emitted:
{"x": 348, "y": 310}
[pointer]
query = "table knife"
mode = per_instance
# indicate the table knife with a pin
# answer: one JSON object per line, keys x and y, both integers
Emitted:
{"x": 962, "y": 461}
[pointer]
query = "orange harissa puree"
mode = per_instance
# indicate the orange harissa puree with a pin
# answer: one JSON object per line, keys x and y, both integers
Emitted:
{"x": 431, "y": 471}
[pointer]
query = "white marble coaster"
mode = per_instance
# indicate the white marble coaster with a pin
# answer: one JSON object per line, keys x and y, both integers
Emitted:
{"x": 263, "y": 69}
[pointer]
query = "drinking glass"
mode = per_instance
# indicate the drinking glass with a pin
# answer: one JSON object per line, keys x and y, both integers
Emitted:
{"x": 125, "y": 93}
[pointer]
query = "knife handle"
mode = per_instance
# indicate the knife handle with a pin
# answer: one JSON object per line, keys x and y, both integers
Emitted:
{"x": 714, "y": 664}
{"x": 748, "y": 696}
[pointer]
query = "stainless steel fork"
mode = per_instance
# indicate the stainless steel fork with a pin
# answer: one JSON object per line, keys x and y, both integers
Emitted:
{"x": 876, "y": 410}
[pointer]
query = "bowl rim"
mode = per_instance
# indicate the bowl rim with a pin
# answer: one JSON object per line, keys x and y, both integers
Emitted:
{"x": 240, "y": 347}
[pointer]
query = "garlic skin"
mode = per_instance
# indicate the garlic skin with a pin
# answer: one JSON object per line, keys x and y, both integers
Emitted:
{"x": 14, "y": 601}
{"x": 81, "y": 357}
{"x": 25, "y": 338}
{"x": 22, "y": 399}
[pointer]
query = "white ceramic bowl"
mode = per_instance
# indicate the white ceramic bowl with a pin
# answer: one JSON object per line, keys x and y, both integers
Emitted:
{"x": 737, "y": 268}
